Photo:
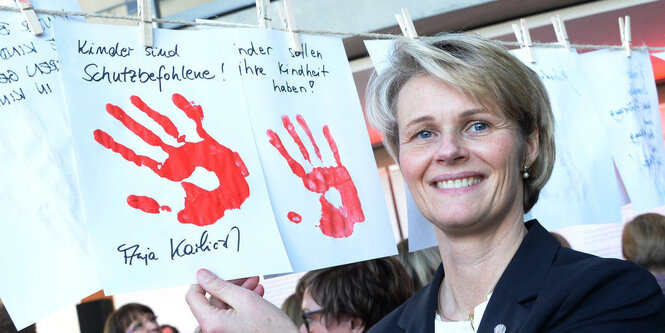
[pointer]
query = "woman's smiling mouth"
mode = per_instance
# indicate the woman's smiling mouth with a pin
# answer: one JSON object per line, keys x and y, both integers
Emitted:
{"x": 457, "y": 183}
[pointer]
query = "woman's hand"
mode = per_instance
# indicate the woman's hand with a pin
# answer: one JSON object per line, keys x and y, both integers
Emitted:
{"x": 234, "y": 306}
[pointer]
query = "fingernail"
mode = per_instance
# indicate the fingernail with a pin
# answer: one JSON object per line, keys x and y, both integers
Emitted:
{"x": 203, "y": 275}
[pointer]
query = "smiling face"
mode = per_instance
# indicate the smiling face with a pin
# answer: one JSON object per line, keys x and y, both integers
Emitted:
{"x": 461, "y": 160}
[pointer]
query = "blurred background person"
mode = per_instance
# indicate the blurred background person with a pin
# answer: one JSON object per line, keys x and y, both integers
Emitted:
{"x": 132, "y": 318}
{"x": 562, "y": 240}
{"x": 291, "y": 307}
{"x": 420, "y": 265}
{"x": 643, "y": 242}
{"x": 353, "y": 297}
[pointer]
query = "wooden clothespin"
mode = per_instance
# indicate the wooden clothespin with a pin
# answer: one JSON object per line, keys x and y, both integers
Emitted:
{"x": 263, "y": 13}
{"x": 624, "y": 30}
{"x": 560, "y": 31}
{"x": 406, "y": 24}
{"x": 30, "y": 16}
{"x": 524, "y": 38}
{"x": 286, "y": 13}
{"x": 145, "y": 21}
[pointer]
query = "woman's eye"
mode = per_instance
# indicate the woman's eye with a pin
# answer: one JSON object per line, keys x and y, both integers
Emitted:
{"x": 479, "y": 127}
{"x": 424, "y": 135}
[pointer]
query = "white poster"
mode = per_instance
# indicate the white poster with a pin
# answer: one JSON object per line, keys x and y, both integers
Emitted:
{"x": 583, "y": 188}
{"x": 627, "y": 103}
{"x": 169, "y": 171}
{"x": 43, "y": 236}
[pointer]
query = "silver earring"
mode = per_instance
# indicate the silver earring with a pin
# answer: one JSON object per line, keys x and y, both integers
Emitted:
{"x": 525, "y": 174}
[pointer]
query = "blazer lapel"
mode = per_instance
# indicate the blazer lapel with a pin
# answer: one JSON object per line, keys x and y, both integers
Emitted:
{"x": 419, "y": 314}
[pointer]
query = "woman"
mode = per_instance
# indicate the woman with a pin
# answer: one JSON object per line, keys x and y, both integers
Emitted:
{"x": 643, "y": 242}
{"x": 353, "y": 297}
{"x": 472, "y": 130}
{"x": 132, "y": 318}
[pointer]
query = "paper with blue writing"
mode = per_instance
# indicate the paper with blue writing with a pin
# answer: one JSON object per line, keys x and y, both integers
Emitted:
{"x": 627, "y": 102}
{"x": 583, "y": 188}
{"x": 315, "y": 151}
{"x": 169, "y": 171}
{"x": 43, "y": 236}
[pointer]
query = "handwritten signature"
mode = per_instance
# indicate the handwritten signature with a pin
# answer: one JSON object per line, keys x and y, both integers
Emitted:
{"x": 204, "y": 244}
{"x": 133, "y": 254}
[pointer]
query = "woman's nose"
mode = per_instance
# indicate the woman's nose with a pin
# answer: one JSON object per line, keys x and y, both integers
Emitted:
{"x": 451, "y": 149}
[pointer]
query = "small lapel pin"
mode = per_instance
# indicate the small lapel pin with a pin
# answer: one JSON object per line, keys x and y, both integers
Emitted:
{"x": 501, "y": 328}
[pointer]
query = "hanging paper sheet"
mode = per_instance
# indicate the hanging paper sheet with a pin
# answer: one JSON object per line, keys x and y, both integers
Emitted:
{"x": 43, "y": 235}
{"x": 315, "y": 151}
{"x": 583, "y": 188}
{"x": 627, "y": 102}
{"x": 169, "y": 172}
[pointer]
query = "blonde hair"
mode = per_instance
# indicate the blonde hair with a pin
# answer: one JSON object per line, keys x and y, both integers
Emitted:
{"x": 481, "y": 69}
{"x": 420, "y": 265}
{"x": 643, "y": 241}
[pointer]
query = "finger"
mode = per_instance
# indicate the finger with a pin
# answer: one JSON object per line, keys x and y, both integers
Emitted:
{"x": 235, "y": 296}
{"x": 259, "y": 290}
{"x": 159, "y": 118}
{"x": 277, "y": 143}
{"x": 296, "y": 138}
{"x": 216, "y": 302}
{"x": 304, "y": 126}
{"x": 107, "y": 141}
{"x": 193, "y": 112}
{"x": 145, "y": 134}
{"x": 198, "y": 302}
{"x": 332, "y": 144}
{"x": 250, "y": 283}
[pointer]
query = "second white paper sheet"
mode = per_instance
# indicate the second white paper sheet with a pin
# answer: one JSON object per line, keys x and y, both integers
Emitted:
{"x": 315, "y": 150}
{"x": 583, "y": 188}
{"x": 627, "y": 103}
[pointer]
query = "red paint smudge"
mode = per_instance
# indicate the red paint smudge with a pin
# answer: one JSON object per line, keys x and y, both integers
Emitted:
{"x": 202, "y": 207}
{"x": 294, "y": 217}
{"x": 146, "y": 204}
{"x": 335, "y": 222}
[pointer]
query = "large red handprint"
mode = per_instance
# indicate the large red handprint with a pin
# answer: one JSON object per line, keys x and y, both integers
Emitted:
{"x": 202, "y": 207}
{"x": 335, "y": 222}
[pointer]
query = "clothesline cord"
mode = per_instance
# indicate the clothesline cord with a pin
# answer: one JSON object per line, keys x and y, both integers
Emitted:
{"x": 304, "y": 31}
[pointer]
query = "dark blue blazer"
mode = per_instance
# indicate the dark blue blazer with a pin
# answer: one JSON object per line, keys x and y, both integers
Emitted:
{"x": 549, "y": 288}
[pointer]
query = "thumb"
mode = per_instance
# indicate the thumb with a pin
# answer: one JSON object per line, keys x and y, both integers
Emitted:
{"x": 235, "y": 296}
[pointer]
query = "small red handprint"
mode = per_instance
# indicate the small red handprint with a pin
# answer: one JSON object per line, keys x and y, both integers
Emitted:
{"x": 335, "y": 222}
{"x": 202, "y": 207}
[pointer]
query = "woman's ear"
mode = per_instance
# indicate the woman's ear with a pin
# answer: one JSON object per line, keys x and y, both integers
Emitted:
{"x": 532, "y": 147}
{"x": 357, "y": 325}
